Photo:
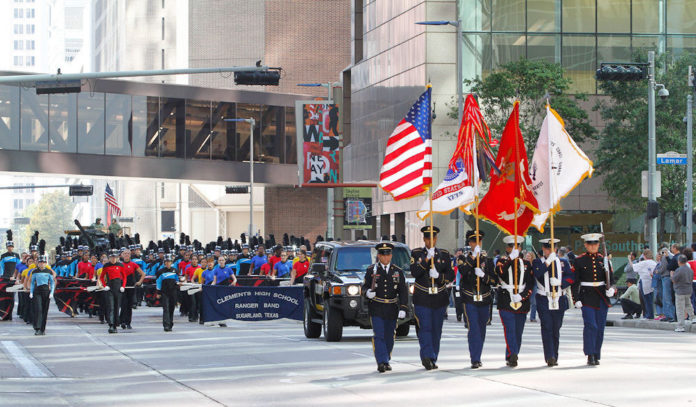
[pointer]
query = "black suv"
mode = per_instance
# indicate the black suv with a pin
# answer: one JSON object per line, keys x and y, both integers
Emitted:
{"x": 333, "y": 288}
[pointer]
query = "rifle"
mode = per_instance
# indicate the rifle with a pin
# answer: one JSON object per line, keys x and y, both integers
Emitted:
{"x": 606, "y": 259}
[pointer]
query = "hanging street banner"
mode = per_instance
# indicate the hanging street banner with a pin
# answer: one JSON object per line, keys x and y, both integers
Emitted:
{"x": 318, "y": 139}
{"x": 251, "y": 303}
{"x": 358, "y": 207}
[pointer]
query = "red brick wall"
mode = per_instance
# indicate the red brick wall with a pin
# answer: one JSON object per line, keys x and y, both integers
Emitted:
{"x": 295, "y": 211}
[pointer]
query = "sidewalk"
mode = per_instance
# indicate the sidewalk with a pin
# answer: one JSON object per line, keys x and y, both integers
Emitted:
{"x": 613, "y": 320}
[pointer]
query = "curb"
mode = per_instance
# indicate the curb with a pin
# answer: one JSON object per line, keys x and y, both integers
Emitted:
{"x": 649, "y": 324}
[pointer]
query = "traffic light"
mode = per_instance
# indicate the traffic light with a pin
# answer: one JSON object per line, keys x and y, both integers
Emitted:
{"x": 653, "y": 209}
{"x": 621, "y": 72}
{"x": 270, "y": 77}
{"x": 237, "y": 189}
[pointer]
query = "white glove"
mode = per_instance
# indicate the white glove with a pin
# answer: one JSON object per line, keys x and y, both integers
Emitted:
{"x": 554, "y": 281}
{"x": 610, "y": 292}
{"x": 516, "y": 297}
{"x": 107, "y": 288}
{"x": 273, "y": 277}
{"x": 370, "y": 294}
{"x": 431, "y": 253}
{"x": 31, "y": 295}
{"x": 434, "y": 273}
{"x": 50, "y": 297}
{"x": 578, "y": 304}
{"x": 479, "y": 273}
{"x": 121, "y": 289}
{"x": 550, "y": 259}
{"x": 514, "y": 254}
{"x": 477, "y": 251}
{"x": 402, "y": 314}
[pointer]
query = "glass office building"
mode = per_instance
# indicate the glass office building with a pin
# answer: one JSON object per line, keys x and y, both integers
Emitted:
{"x": 578, "y": 34}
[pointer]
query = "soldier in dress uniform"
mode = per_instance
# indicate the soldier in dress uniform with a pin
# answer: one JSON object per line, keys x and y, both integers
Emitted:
{"x": 592, "y": 289}
{"x": 432, "y": 269}
{"x": 476, "y": 291}
{"x": 513, "y": 300}
{"x": 387, "y": 293}
{"x": 550, "y": 299}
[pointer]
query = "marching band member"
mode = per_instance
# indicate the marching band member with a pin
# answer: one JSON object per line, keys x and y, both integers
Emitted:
{"x": 113, "y": 280}
{"x": 167, "y": 290}
{"x": 551, "y": 302}
{"x": 41, "y": 293}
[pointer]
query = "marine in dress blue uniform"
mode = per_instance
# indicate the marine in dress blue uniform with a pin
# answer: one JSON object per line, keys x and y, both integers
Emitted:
{"x": 475, "y": 285}
{"x": 387, "y": 293}
{"x": 431, "y": 294}
{"x": 513, "y": 318}
{"x": 592, "y": 295}
{"x": 553, "y": 275}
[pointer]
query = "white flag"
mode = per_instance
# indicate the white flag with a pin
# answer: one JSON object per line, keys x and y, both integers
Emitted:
{"x": 557, "y": 171}
{"x": 455, "y": 191}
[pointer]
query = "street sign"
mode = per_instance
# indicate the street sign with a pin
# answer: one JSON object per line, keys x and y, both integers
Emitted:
{"x": 644, "y": 184}
{"x": 671, "y": 158}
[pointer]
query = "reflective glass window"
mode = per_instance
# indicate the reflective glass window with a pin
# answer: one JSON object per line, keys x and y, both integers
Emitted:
{"x": 153, "y": 129}
{"x": 118, "y": 123}
{"x": 9, "y": 117}
{"x": 507, "y": 48}
{"x": 544, "y": 15}
{"x": 90, "y": 123}
{"x": 139, "y": 124}
{"x": 224, "y": 142}
{"x": 646, "y": 16}
{"x": 614, "y": 16}
{"x": 544, "y": 48}
{"x": 34, "y": 117}
{"x": 613, "y": 48}
{"x": 246, "y": 111}
{"x": 476, "y": 55}
{"x": 290, "y": 136}
{"x": 645, "y": 42}
{"x": 681, "y": 17}
{"x": 677, "y": 45}
{"x": 508, "y": 15}
{"x": 579, "y": 62}
{"x": 198, "y": 130}
{"x": 62, "y": 122}
{"x": 173, "y": 125}
{"x": 271, "y": 143}
{"x": 578, "y": 16}
{"x": 475, "y": 15}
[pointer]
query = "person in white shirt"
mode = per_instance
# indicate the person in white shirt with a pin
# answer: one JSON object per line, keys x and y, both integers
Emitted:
{"x": 645, "y": 270}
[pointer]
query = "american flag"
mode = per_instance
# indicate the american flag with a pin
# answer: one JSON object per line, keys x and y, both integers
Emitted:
{"x": 112, "y": 208}
{"x": 407, "y": 170}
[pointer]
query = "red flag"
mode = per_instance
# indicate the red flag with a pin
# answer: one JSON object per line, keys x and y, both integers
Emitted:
{"x": 473, "y": 129}
{"x": 512, "y": 187}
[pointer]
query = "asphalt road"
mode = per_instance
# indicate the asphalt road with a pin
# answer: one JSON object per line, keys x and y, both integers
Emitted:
{"x": 271, "y": 363}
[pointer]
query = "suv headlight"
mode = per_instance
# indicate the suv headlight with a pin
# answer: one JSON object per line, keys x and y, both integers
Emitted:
{"x": 411, "y": 288}
{"x": 353, "y": 290}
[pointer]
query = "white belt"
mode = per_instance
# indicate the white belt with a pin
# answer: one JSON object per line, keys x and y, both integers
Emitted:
{"x": 512, "y": 287}
{"x": 592, "y": 283}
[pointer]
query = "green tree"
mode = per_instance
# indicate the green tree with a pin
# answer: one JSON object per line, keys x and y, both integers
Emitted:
{"x": 623, "y": 145}
{"x": 530, "y": 82}
{"x": 51, "y": 216}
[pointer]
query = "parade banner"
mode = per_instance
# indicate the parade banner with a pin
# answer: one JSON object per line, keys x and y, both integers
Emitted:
{"x": 318, "y": 135}
{"x": 358, "y": 207}
{"x": 252, "y": 303}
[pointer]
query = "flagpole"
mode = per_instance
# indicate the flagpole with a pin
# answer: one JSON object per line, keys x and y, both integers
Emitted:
{"x": 432, "y": 243}
{"x": 554, "y": 291}
{"x": 476, "y": 212}
{"x": 515, "y": 287}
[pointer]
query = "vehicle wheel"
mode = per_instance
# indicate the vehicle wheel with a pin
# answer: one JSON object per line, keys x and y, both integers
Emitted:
{"x": 333, "y": 324}
{"x": 311, "y": 329}
{"x": 403, "y": 329}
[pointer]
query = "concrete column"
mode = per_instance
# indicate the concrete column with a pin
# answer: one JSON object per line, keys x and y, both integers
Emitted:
{"x": 399, "y": 224}
{"x": 385, "y": 226}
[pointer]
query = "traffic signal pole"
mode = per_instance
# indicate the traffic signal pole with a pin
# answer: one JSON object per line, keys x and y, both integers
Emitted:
{"x": 689, "y": 162}
{"x": 652, "y": 157}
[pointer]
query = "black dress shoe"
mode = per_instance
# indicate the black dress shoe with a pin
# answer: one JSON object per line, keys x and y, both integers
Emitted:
{"x": 381, "y": 367}
{"x": 591, "y": 360}
{"x": 129, "y": 327}
{"x": 427, "y": 364}
{"x": 112, "y": 330}
{"x": 123, "y": 326}
{"x": 512, "y": 361}
{"x": 551, "y": 362}
{"x": 433, "y": 363}
{"x": 459, "y": 318}
{"x": 388, "y": 367}
{"x": 475, "y": 365}
{"x": 37, "y": 332}
{"x": 596, "y": 361}
{"x": 43, "y": 333}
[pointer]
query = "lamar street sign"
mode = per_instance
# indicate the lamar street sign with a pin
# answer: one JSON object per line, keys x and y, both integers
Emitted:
{"x": 671, "y": 158}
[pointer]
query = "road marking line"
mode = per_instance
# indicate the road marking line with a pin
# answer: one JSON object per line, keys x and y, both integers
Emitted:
{"x": 23, "y": 360}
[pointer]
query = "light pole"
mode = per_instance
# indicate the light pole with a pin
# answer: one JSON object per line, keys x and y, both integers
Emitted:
{"x": 329, "y": 191}
{"x": 460, "y": 103}
{"x": 689, "y": 162}
{"x": 252, "y": 123}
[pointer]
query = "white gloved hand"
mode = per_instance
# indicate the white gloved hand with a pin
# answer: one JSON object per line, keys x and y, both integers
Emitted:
{"x": 50, "y": 297}
{"x": 554, "y": 281}
{"x": 578, "y": 304}
{"x": 273, "y": 277}
{"x": 431, "y": 253}
{"x": 434, "y": 273}
{"x": 610, "y": 292}
{"x": 107, "y": 288}
{"x": 121, "y": 289}
{"x": 516, "y": 297}
{"x": 402, "y": 314}
{"x": 477, "y": 251}
{"x": 370, "y": 294}
{"x": 31, "y": 296}
{"x": 514, "y": 254}
{"x": 479, "y": 273}
{"x": 550, "y": 259}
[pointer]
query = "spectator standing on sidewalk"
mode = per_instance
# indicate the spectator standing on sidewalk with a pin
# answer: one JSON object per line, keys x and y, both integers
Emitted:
{"x": 682, "y": 280}
{"x": 645, "y": 270}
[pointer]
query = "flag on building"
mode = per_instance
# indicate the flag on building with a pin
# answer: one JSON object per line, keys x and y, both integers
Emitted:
{"x": 112, "y": 208}
{"x": 512, "y": 187}
{"x": 557, "y": 170}
{"x": 407, "y": 168}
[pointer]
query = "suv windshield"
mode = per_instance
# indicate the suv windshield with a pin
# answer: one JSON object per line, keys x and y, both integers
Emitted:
{"x": 358, "y": 258}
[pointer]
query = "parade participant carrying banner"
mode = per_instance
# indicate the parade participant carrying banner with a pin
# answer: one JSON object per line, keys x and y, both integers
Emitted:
{"x": 251, "y": 303}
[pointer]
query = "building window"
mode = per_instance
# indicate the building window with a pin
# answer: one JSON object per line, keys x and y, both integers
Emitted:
{"x": 28, "y": 202}
{"x": 31, "y": 61}
{"x": 162, "y": 58}
{"x": 18, "y": 44}
{"x": 18, "y": 29}
{"x": 30, "y": 44}
{"x": 18, "y": 204}
{"x": 30, "y": 13}
{"x": 30, "y": 28}
{"x": 18, "y": 60}
{"x": 162, "y": 28}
